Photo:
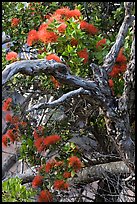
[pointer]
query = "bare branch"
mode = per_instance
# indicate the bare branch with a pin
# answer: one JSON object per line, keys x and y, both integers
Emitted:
{"x": 112, "y": 55}
{"x": 94, "y": 173}
{"x": 60, "y": 100}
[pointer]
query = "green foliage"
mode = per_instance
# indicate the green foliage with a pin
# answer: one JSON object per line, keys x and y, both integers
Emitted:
{"x": 14, "y": 191}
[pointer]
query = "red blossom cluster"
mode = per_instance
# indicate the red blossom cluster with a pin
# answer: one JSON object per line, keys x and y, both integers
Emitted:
{"x": 15, "y": 22}
{"x": 67, "y": 174}
{"x": 32, "y": 37}
{"x": 100, "y": 43}
{"x": 41, "y": 142}
{"x": 83, "y": 54}
{"x": 11, "y": 56}
{"x": 11, "y": 134}
{"x": 54, "y": 57}
{"x": 45, "y": 196}
{"x": 120, "y": 65}
{"x": 7, "y": 104}
{"x": 75, "y": 163}
{"x": 37, "y": 181}
{"x": 90, "y": 28}
{"x": 61, "y": 185}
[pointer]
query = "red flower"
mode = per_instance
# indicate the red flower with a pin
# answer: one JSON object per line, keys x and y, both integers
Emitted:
{"x": 37, "y": 181}
{"x": 121, "y": 58}
{"x": 62, "y": 11}
{"x": 110, "y": 82}
{"x": 49, "y": 165}
{"x": 62, "y": 28}
{"x": 90, "y": 28}
{"x": 15, "y": 119}
{"x": 11, "y": 135}
{"x": 32, "y": 37}
{"x": 6, "y": 104}
{"x": 123, "y": 67}
{"x": 15, "y": 22}
{"x": 11, "y": 56}
{"x": 47, "y": 36}
{"x": 4, "y": 140}
{"x": 74, "y": 42}
{"x": 115, "y": 71}
{"x": 100, "y": 43}
{"x": 67, "y": 174}
{"x": 61, "y": 185}
{"x": 55, "y": 82}
{"x": 8, "y": 118}
{"x": 39, "y": 144}
{"x": 43, "y": 26}
{"x": 73, "y": 13}
{"x": 45, "y": 196}
{"x": 54, "y": 57}
{"x": 83, "y": 54}
{"x": 52, "y": 139}
{"x": 75, "y": 162}
{"x": 35, "y": 135}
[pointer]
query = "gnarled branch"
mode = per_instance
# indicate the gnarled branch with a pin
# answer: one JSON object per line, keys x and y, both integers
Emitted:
{"x": 113, "y": 53}
{"x": 60, "y": 100}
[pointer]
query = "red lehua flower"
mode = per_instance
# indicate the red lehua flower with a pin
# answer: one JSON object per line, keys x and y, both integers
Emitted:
{"x": 15, "y": 22}
{"x": 54, "y": 57}
{"x": 74, "y": 13}
{"x": 8, "y": 118}
{"x": 45, "y": 196}
{"x": 52, "y": 139}
{"x": 67, "y": 174}
{"x": 11, "y": 135}
{"x": 100, "y": 43}
{"x": 121, "y": 58}
{"x": 83, "y": 54}
{"x": 43, "y": 26}
{"x": 37, "y": 181}
{"x": 123, "y": 67}
{"x": 110, "y": 82}
{"x": 35, "y": 135}
{"x": 62, "y": 11}
{"x": 115, "y": 71}
{"x": 6, "y": 104}
{"x": 55, "y": 82}
{"x": 74, "y": 42}
{"x": 15, "y": 119}
{"x": 88, "y": 27}
{"x": 56, "y": 17}
{"x": 39, "y": 144}
{"x": 92, "y": 29}
{"x": 32, "y": 37}
{"x": 61, "y": 185}
{"x": 49, "y": 165}
{"x": 62, "y": 28}
{"x": 75, "y": 162}
{"x": 4, "y": 140}
{"x": 47, "y": 36}
{"x": 11, "y": 56}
